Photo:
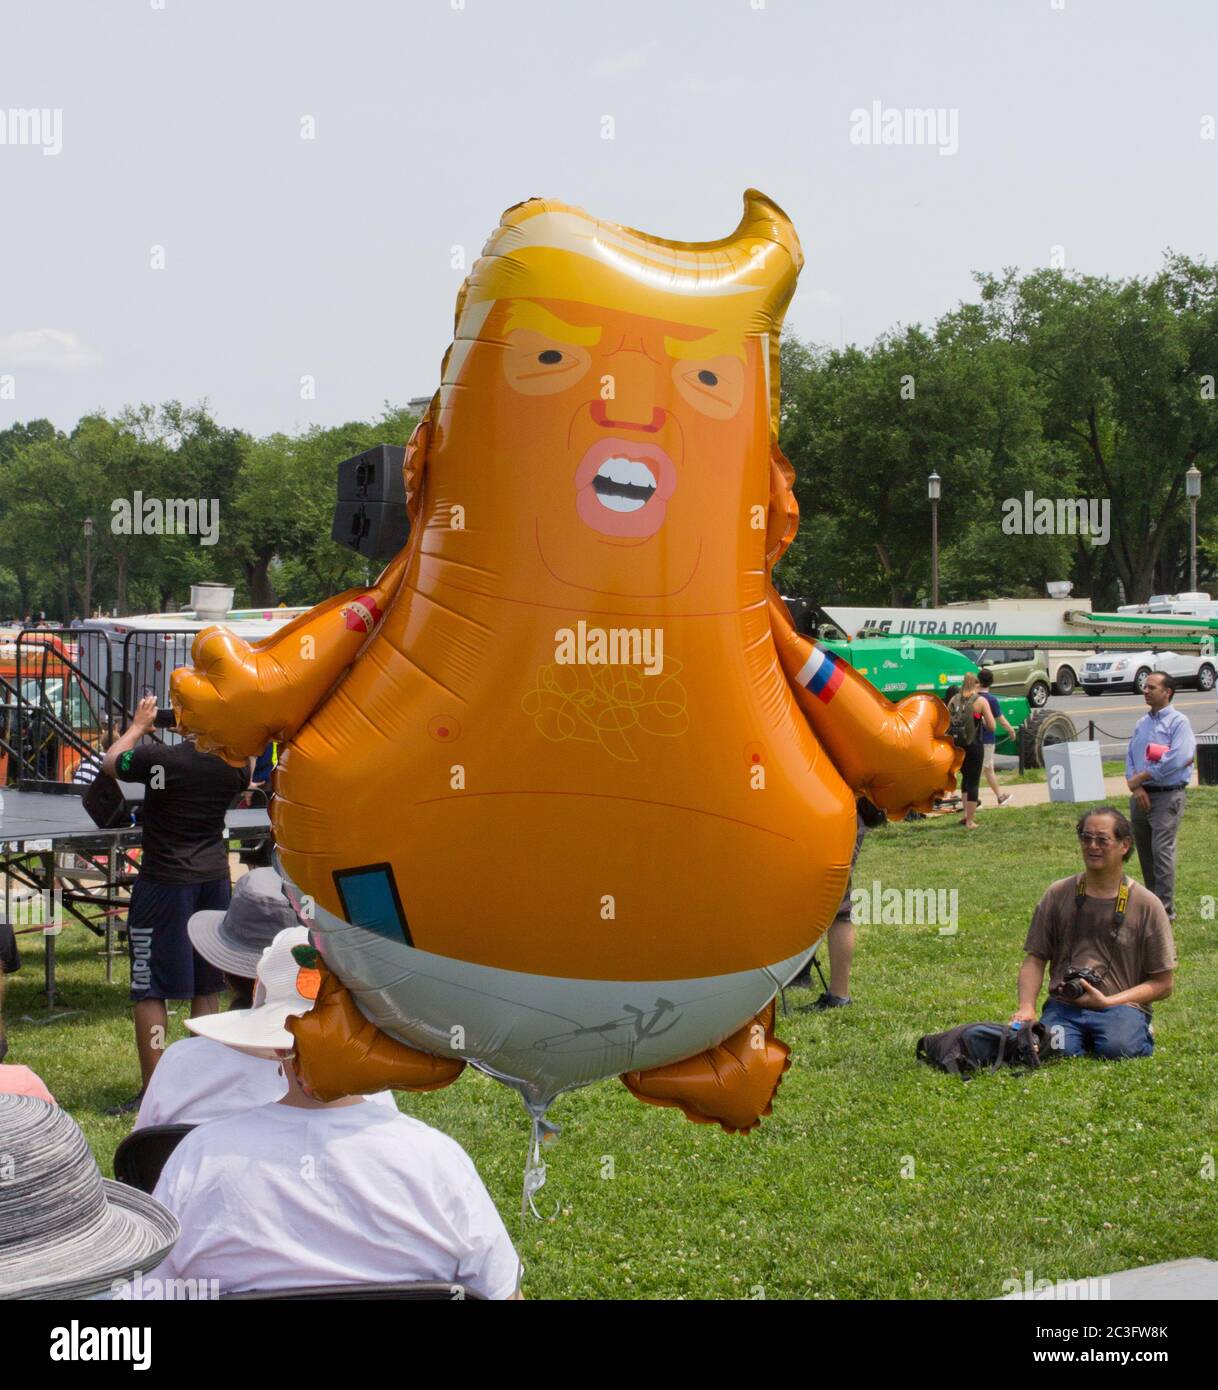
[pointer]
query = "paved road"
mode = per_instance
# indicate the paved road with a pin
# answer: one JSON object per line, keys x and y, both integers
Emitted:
{"x": 1115, "y": 715}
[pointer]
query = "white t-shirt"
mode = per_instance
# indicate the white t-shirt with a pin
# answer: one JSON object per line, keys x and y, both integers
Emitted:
{"x": 283, "y": 1197}
{"x": 199, "y": 1079}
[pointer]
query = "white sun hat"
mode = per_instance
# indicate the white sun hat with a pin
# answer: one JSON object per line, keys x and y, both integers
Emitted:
{"x": 285, "y": 988}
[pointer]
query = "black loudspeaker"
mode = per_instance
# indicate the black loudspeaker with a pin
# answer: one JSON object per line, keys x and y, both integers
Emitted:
{"x": 370, "y": 512}
{"x": 373, "y": 476}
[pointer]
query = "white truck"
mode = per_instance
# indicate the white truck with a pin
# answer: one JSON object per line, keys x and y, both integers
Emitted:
{"x": 981, "y": 618}
{"x": 1064, "y": 670}
{"x": 1177, "y": 633}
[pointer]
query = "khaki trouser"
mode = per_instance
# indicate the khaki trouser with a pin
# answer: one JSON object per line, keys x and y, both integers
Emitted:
{"x": 1154, "y": 834}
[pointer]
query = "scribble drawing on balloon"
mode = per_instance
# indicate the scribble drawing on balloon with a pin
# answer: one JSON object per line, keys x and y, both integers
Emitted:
{"x": 607, "y": 704}
{"x": 637, "y": 1025}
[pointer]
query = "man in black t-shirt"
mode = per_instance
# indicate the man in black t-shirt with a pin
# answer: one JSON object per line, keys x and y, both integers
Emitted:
{"x": 183, "y": 870}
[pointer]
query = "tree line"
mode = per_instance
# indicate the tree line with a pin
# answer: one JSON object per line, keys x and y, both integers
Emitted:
{"x": 1044, "y": 386}
{"x": 274, "y": 498}
{"x": 1058, "y": 385}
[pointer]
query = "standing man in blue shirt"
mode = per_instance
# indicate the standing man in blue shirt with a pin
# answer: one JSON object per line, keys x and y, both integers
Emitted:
{"x": 1158, "y": 767}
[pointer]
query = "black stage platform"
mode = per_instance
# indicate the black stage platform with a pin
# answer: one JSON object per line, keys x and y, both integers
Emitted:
{"x": 53, "y": 816}
{"x": 48, "y": 842}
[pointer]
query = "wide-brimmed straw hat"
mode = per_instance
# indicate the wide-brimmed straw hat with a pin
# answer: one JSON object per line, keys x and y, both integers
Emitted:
{"x": 283, "y": 987}
{"x": 233, "y": 940}
{"x": 65, "y": 1231}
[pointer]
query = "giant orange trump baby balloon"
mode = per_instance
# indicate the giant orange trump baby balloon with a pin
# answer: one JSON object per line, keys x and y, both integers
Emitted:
{"x": 565, "y": 793}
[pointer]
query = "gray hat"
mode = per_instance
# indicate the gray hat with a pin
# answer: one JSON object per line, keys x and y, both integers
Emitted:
{"x": 65, "y": 1231}
{"x": 234, "y": 940}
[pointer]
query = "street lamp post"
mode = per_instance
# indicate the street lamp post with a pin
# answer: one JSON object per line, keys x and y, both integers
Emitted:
{"x": 88, "y": 567}
{"x": 932, "y": 491}
{"x": 1192, "y": 484}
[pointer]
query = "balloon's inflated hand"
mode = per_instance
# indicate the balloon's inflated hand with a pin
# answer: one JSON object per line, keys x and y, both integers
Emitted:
{"x": 340, "y": 1053}
{"x": 921, "y": 763}
{"x": 219, "y": 700}
{"x": 898, "y": 755}
{"x": 240, "y": 696}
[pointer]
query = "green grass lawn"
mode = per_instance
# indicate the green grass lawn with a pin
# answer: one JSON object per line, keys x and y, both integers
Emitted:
{"x": 1081, "y": 1169}
{"x": 1114, "y": 767}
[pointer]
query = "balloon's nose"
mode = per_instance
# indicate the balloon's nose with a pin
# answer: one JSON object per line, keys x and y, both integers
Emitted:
{"x": 614, "y": 419}
{"x": 630, "y": 388}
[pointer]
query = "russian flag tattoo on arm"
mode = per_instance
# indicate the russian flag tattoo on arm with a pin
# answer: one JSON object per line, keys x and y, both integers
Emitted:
{"x": 821, "y": 674}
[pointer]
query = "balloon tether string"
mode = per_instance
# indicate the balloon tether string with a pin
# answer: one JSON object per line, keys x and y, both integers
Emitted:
{"x": 535, "y": 1169}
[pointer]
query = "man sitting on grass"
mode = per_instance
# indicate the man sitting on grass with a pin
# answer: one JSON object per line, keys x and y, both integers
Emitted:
{"x": 1109, "y": 946}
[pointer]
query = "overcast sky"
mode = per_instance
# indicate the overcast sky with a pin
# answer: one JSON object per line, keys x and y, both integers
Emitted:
{"x": 177, "y": 124}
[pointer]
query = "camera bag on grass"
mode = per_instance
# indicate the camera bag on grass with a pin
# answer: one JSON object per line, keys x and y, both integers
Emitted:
{"x": 973, "y": 1047}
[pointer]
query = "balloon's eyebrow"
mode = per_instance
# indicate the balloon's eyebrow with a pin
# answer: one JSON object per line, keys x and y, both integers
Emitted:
{"x": 524, "y": 313}
{"x": 721, "y": 342}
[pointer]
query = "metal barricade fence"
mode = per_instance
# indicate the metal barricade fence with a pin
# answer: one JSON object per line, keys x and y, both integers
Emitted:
{"x": 145, "y": 664}
{"x": 67, "y": 693}
{"x": 55, "y": 713}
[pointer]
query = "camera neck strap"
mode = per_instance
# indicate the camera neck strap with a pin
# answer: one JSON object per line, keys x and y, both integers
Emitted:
{"x": 1118, "y": 916}
{"x": 1122, "y": 899}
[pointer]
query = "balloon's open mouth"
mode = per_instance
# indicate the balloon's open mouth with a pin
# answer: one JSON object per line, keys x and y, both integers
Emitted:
{"x": 624, "y": 485}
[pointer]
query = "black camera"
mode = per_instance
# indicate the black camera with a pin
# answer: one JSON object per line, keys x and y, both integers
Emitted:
{"x": 1070, "y": 987}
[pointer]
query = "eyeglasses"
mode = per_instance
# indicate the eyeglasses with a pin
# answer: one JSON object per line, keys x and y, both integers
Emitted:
{"x": 1099, "y": 841}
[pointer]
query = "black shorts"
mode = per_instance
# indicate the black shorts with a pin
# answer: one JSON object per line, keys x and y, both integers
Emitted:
{"x": 164, "y": 965}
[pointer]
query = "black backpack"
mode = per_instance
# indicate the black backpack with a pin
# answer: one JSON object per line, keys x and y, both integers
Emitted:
{"x": 974, "y": 1047}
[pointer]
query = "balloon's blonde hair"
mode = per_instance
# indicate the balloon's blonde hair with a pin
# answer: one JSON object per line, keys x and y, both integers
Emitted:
{"x": 735, "y": 287}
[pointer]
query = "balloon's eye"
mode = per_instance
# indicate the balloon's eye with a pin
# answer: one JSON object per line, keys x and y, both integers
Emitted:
{"x": 537, "y": 365}
{"x": 713, "y": 386}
